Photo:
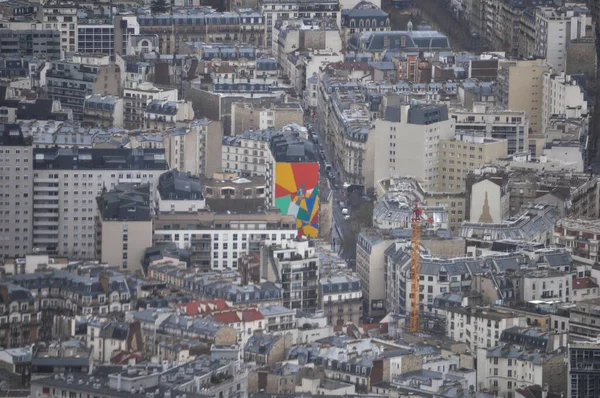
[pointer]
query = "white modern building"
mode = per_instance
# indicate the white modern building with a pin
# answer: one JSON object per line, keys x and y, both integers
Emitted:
{"x": 562, "y": 96}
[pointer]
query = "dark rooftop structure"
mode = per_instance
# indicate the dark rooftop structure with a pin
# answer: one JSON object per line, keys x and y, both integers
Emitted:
{"x": 290, "y": 147}
{"x": 11, "y": 135}
{"x": 126, "y": 202}
{"x": 182, "y": 186}
{"x": 99, "y": 158}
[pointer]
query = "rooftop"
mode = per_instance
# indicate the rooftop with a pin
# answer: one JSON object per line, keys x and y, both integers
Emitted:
{"x": 126, "y": 202}
{"x": 175, "y": 185}
{"x": 97, "y": 158}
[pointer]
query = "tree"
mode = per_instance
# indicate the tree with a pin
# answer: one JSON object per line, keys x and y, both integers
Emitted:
{"x": 158, "y": 6}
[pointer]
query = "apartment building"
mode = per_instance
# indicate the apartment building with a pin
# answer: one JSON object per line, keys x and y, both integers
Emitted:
{"x": 407, "y": 142}
{"x": 268, "y": 114}
{"x": 217, "y": 239}
{"x": 584, "y": 319}
{"x": 207, "y": 26}
{"x": 521, "y": 89}
{"x": 137, "y": 100}
{"x": 163, "y": 115}
{"x": 505, "y": 369}
{"x": 363, "y": 17}
{"x": 20, "y": 316}
{"x": 341, "y": 298}
{"x": 545, "y": 285}
{"x": 295, "y": 265}
{"x": 461, "y": 154}
{"x": 438, "y": 276}
{"x": 62, "y": 16}
{"x": 246, "y": 154}
{"x": 16, "y": 195}
{"x": 71, "y": 82}
{"x": 583, "y": 368}
{"x": 563, "y": 97}
{"x": 43, "y": 43}
{"x": 292, "y": 180}
{"x": 196, "y": 147}
{"x": 345, "y": 122}
{"x": 274, "y": 10}
{"x": 123, "y": 212}
{"x": 106, "y": 112}
{"x": 66, "y": 183}
{"x": 555, "y": 28}
{"x": 510, "y": 125}
{"x": 480, "y": 327}
{"x": 371, "y": 246}
{"x": 580, "y": 236}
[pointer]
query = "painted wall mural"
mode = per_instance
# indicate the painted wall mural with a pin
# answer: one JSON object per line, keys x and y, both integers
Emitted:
{"x": 297, "y": 194}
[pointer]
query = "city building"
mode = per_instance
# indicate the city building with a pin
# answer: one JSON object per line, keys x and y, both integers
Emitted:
{"x": 534, "y": 223}
{"x": 247, "y": 153}
{"x": 583, "y": 373}
{"x": 546, "y": 285}
{"x": 294, "y": 265}
{"x": 95, "y": 36}
{"x": 480, "y": 328}
{"x": 580, "y": 236}
{"x": 195, "y": 148}
{"x": 66, "y": 183}
{"x": 460, "y": 155}
{"x": 407, "y": 142}
{"x": 511, "y": 125}
{"x": 522, "y": 89}
{"x": 203, "y": 25}
{"x": 216, "y": 239}
{"x": 137, "y": 100}
{"x": 20, "y": 316}
{"x": 162, "y": 114}
{"x": 363, "y": 17}
{"x": 16, "y": 204}
{"x": 106, "y": 112}
{"x": 62, "y": 16}
{"x": 179, "y": 192}
{"x": 562, "y": 96}
{"x": 504, "y": 369}
{"x": 268, "y": 114}
{"x": 371, "y": 246}
{"x": 273, "y": 10}
{"x": 71, "y": 82}
{"x": 584, "y": 319}
{"x": 489, "y": 198}
{"x": 292, "y": 178}
{"x": 32, "y": 43}
{"x": 124, "y": 211}
{"x": 341, "y": 298}
{"x": 555, "y": 27}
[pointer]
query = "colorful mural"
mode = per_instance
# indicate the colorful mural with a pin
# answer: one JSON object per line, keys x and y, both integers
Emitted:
{"x": 297, "y": 194}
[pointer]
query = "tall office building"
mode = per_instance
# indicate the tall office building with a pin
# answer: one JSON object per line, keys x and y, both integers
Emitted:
{"x": 16, "y": 201}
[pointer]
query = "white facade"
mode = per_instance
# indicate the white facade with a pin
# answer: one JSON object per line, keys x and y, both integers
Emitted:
{"x": 480, "y": 327}
{"x": 545, "y": 284}
{"x": 65, "y": 207}
{"x": 490, "y": 202}
{"x": 555, "y": 28}
{"x": 409, "y": 149}
{"x": 245, "y": 155}
{"x": 179, "y": 205}
{"x": 103, "y": 348}
{"x": 561, "y": 96}
{"x": 506, "y": 370}
{"x": 62, "y": 17}
{"x": 228, "y": 244}
{"x": 508, "y": 124}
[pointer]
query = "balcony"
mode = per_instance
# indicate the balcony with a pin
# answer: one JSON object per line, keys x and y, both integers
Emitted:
{"x": 45, "y": 206}
{"x": 45, "y": 223}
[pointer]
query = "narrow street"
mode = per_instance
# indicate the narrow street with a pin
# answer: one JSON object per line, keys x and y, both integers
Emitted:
{"x": 341, "y": 228}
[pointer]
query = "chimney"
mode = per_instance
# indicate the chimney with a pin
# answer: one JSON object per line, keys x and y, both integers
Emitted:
{"x": 545, "y": 391}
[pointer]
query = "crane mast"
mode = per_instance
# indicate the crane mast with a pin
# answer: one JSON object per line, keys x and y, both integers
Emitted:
{"x": 415, "y": 307}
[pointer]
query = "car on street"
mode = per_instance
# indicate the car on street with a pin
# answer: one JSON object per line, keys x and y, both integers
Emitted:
{"x": 345, "y": 211}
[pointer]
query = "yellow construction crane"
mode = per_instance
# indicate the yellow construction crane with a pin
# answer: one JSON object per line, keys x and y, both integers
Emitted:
{"x": 415, "y": 270}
